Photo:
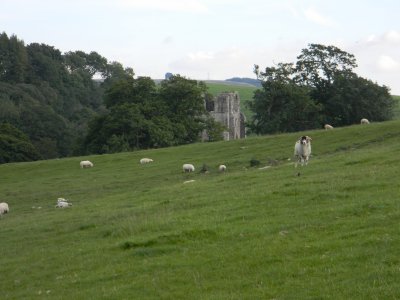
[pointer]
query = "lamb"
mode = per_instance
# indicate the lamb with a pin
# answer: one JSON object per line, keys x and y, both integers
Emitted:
{"x": 4, "y": 209}
{"x": 328, "y": 127}
{"x": 145, "y": 160}
{"x": 86, "y": 164}
{"x": 364, "y": 121}
{"x": 302, "y": 150}
{"x": 187, "y": 168}
{"x": 222, "y": 168}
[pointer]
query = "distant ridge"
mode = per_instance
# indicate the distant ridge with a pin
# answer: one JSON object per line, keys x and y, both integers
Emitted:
{"x": 250, "y": 81}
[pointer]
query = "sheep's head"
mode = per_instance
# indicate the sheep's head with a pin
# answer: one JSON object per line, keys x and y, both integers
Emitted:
{"x": 305, "y": 139}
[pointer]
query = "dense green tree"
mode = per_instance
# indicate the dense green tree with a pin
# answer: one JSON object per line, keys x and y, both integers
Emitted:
{"x": 15, "y": 146}
{"x": 185, "y": 101}
{"x": 320, "y": 88}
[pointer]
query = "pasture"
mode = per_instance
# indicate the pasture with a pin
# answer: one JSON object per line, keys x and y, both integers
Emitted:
{"x": 329, "y": 230}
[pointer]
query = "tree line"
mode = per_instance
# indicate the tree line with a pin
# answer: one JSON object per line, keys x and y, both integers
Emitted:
{"x": 52, "y": 105}
{"x": 321, "y": 87}
{"x": 52, "y": 102}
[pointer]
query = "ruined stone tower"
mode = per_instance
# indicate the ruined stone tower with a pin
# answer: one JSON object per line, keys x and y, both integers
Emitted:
{"x": 225, "y": 108}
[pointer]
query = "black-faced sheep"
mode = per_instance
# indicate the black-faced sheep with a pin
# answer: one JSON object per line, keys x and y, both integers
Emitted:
{"x": 302, "y": 150}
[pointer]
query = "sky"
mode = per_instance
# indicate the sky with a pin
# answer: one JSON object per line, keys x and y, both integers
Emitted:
{"x": 213, "y": 39}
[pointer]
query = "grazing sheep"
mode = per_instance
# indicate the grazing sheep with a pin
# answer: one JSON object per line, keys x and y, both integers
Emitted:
{"x": 364, "y": 121}
{"x": 302, "y": 150}
{"x": 222, "y": 168}
{"x": 86, "y": 164}
{"x": 145, "y": 161}
{"x": 187, "y": 168}
{"x": 4, "y": 209}
{"x": 328, "y": 127}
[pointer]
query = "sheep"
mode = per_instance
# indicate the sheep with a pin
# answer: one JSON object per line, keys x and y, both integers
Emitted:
{"x": 222, "y": 168}
{"x": 187, "y": 168}
{"x": 302, "y": 150}
{"x": 86, "y": 164}
{"x": 62, "y": 204}
{"x": 364, "y": 121}
{"x": 328, "y": 127}
{"x": 4, "y": 209}
{"x": 145, "y": 160}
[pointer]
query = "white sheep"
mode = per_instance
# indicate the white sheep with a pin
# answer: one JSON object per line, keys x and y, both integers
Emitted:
{"x": 62, "y": 204}
{"x": 364, "y": 121}
{"x": 328, "y": 127}
{"x": 86, "y": 164}
{"x": 146, "y": 160}
{"x": 187, "y": 168}
{"x": 4, "y": 209}
{"x": 302, "y": 150}
{"x": 222, "y": 168}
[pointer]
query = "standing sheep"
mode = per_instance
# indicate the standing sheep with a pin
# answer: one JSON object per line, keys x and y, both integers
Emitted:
{"x": 364, "y": 121}
{"x": 328, "y": 127}
{"x": 302, "y": 150}
{"x": 145, "y": 161}
{"x": 187, "y": 168}
{"x": 86, "y": 164}
{"x": 4, "y": 209}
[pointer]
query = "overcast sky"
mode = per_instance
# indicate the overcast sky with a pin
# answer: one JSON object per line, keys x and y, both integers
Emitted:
{"x": 213, "y": 39}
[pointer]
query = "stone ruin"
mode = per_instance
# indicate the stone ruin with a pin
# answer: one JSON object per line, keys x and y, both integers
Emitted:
{"x": 225, "y": 109}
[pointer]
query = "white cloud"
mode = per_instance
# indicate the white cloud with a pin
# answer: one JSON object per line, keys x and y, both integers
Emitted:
{"x": 387, "y": 63}
{"x": 392, "y": 36}
{"x": 193, "y": 6}
{"x": 313, "y": 15}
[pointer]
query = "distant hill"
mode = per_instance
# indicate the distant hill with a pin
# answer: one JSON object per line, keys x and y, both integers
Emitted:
{"x": 250, "y": 81}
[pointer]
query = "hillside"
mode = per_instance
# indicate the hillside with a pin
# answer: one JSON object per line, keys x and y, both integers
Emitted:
{"x": 325, "y": 231}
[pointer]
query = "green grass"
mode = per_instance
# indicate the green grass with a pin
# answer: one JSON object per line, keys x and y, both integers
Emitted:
{"x": 245, "y": 93}
{"x": 326, "y": 231}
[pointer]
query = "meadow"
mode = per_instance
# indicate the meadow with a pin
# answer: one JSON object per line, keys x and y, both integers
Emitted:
{"x": 329, "y": 230}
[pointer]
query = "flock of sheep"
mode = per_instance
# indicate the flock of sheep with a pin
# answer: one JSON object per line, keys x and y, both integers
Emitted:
{"x": 302, "y": 148}
{"x": 302, "y": 153}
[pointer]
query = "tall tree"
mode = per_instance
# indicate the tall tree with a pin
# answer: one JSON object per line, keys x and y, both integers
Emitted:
{"x": 321, "y": 87}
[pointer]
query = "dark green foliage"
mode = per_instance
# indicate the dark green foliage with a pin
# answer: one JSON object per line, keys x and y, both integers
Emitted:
{"x": 320, "y": 88}
{"x": 51, "y": 96}
{"x": 141, "y": 116}
{"x": 15, "y": 145}
{"x": 204, "y": 169}
{"x": 254, "y": 162}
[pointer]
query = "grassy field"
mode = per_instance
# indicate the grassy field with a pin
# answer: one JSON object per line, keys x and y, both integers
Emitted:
{"x": 329, "y": 230}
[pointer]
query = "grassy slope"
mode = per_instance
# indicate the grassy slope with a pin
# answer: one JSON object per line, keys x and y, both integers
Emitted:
{"x": 137, "y": 232}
